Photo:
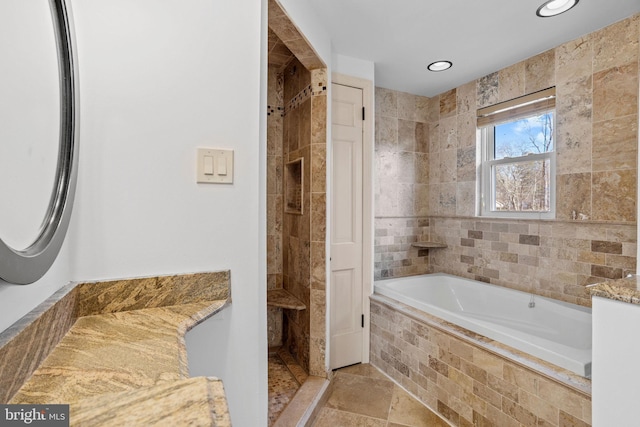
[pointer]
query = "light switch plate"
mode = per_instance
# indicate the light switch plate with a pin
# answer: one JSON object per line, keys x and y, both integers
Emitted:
{"x": 222, "y": 166}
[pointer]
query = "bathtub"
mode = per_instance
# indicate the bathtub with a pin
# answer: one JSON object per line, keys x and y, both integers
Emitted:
{"x": 551, "y": 330}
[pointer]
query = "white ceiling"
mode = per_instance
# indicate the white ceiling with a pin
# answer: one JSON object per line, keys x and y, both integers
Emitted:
{"x": 403, "y": 36}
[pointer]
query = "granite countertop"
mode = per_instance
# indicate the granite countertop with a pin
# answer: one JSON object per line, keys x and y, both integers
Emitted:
{"x": 122, "y": 360}
{"x": 625, "y": 290}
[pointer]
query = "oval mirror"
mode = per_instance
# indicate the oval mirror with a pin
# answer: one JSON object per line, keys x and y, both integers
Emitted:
{"x": 38, "y": 146}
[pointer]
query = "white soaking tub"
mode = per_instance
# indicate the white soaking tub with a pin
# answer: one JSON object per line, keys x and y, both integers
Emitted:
{"x": 554, "y": 331}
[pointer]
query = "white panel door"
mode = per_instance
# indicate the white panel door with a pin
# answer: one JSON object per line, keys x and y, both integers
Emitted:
{"x": 346, "y": 227}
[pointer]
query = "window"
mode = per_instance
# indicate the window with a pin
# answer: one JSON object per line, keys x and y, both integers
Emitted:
{"x": 517, "y": 146}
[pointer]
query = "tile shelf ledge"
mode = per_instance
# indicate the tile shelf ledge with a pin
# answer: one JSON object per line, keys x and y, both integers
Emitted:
{"x": 284, "y": 299}
{"x": 428, "y": 245}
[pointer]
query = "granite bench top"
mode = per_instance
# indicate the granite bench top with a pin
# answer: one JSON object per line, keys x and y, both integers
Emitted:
{"x": 625, "y": 290}
{"x": 122, "y": 360}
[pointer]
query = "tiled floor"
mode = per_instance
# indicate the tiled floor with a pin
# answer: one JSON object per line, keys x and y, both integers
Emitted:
{"x": 362, "y": 396}
{"x": 285, "y": 378}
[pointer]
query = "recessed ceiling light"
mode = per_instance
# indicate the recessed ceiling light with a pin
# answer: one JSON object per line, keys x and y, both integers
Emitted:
{"x": 555, "y": 7}
{"x": 439, "y": 65}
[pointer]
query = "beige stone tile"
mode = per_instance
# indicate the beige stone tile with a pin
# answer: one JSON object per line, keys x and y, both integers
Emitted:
{"x": 616, "y": 45}
{"x": 319, "y": 120}
{"x": 466, "y": 198}
{"x": 422, "y": 109}
{"x": 434, "y": 199}
{"x": 406, "y": 199}
{"x": 318, "y": 217}
{"x": 448, "y": 103}
{"x": 407, "y": 103}
{"x": 317, "y": 356}
{"x": 466, "y": 98}
{"x": 467, "y": 130}
{"x": 364, "y": 370}
{"x": 573, "y": 126}
{"x": 448, "y": 165}
{"x": 520, "y": 377}
{"x": 615, "y": 92}
{"x": 331, "y": 418}
{"x": 318, "y": 261}
{"x": 554, "y": 395}
{"x": 318, "y": 168}
{"x": 466, "y": 164}
{"x": 545, "y": 408}
{"x": 433, "y": 108}
{"x": 274, "y": 175}
{"x": 318, "y": 308}
{"x": 434, "y": 137}
{"x": 406, "y": 135}
{"x": 615, "y": 144}
{"x": 386, "y": 199}
{"x": 318, "y": 79}
{"x": 407, "y": 411}
{"x": 386, "y": 102}
{"x": 274, "y": 254}
{"x": 421, "y": 168}
{"x": 573, "y": 195}
{"x": 511, "y": 82}
{"x": 275, "y": 134}
{"x": 421, "y": 199}
{"x": 487, "y": 90}
{"x": 614, "y": 195}
{"x": 304, "y": 133}
{"x": 448, "y": 133}
{"x": 274, "y": 214}
{"x": 282, "y": 26}
{"x": 386, "y": 134}
{"x": 422, "y": 137}
{"x": 540, "y": 72}
{"x": 360, "y": 395}
{"x": 567, "y": 420}
{"x": 574, "y": 59}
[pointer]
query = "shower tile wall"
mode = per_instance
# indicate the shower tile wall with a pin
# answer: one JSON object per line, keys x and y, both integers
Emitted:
{"x": 297, "y": 231}
{"x": 297, "y": 243}
{"x": 303, "y": 241}
{"x": 275, "y": 213}
{"x": 401, "y": 183}
{"x": 318, "y": 196}
{"x": 596, "y": 79}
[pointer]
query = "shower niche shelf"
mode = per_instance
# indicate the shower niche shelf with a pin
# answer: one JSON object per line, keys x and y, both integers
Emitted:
{"x": 294, "y": 186}
{"x": 284, "y": 299}
{"x": 428, "y": 245}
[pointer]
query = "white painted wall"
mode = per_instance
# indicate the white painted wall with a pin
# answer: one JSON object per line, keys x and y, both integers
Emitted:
{"x": 615, "y": 376}
{"x": 158, "y": 79}
{"x": 353, "y": 67}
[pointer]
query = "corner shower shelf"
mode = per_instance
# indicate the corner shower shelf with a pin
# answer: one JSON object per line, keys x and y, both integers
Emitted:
{"x": 428, "y": 245}
{"x": 284, "y": 299}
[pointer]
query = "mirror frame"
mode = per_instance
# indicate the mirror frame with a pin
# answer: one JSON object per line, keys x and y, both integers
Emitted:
{"x": 26, "y": 266}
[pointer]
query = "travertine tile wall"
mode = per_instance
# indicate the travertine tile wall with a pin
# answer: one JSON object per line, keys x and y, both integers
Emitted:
{"x": 596, "y": 79}
{"x": 465, "y": 383}
{"x": 275, "y": 212}
{"x": 297, "y": 231}
{"x": 297, "y": 262}
{"x": 401, "y": 183}
{"x": 304, "y": 136}
{"x": 318, "y": 196}
{"x": 553, "y": 259}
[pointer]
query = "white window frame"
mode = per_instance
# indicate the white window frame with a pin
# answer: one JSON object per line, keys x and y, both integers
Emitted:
{"x": 486, "y": 187}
